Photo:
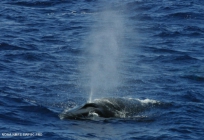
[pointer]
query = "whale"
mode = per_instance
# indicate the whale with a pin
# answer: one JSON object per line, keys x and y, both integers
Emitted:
{"x": 110, "y": 108}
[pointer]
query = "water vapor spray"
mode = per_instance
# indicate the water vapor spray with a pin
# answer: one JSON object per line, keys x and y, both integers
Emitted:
{"x": 104, "y": 54}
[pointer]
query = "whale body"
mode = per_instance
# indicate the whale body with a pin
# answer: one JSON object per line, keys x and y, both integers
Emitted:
{"x": 110, "y": 108}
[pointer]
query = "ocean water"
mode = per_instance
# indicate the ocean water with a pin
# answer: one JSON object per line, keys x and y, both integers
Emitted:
{"x": 56, "y": 55}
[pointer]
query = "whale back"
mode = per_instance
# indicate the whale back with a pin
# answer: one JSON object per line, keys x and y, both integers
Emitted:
{"x": 127, "y": 107}
{"x": 109, "y": 108}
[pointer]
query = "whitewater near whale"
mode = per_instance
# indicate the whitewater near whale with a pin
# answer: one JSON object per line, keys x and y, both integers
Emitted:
{"x": 111, "y": 108}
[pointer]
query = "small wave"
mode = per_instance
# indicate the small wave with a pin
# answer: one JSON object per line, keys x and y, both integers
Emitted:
{"x": 194, "y": 96}
{"x": 170, "y": 58}
{"x": 138, "y": 6}
{"x": 166, "y": 33}
{"x": 133, "y": 4}
{"x": 189, "y": 31}
{"x": 5, "y": 46}
{"x": 161, "y": 50}
{"x": 174, "y": 58}
{"x": 185, "y": 58}
{"x": 8, "y": 99}
{"x": 142, "y": 17}
{"x": 11, "y": 117}
{"x": 23, "y": 56}
{"x": 179, "y": 15}
{"x": 183, "y": 15}
{"x": 45, "y": 3}
{"x": 197, "y": 78}
{"x": 36, "y": 109}
{"x": 28, "y": 56}
{"x": 193, "y": 29}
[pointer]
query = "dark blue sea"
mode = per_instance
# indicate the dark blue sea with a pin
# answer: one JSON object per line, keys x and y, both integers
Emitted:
{"x": 57, "y": 55}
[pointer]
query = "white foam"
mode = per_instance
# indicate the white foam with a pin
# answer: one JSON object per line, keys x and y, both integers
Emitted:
{"x": 147, "y": 101}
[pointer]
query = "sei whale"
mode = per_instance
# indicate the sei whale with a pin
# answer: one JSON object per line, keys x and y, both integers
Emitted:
{"x": 110, "y": 108}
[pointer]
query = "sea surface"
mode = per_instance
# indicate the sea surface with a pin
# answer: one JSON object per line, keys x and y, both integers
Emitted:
{"x": 56, "y": 55}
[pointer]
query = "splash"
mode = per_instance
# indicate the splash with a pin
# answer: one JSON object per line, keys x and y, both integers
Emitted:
{"x": 104, "y": 54}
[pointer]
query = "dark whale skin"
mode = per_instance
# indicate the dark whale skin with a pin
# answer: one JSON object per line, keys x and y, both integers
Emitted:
{"x": 84, "y": 111}
{"x": 111, "y": 108}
